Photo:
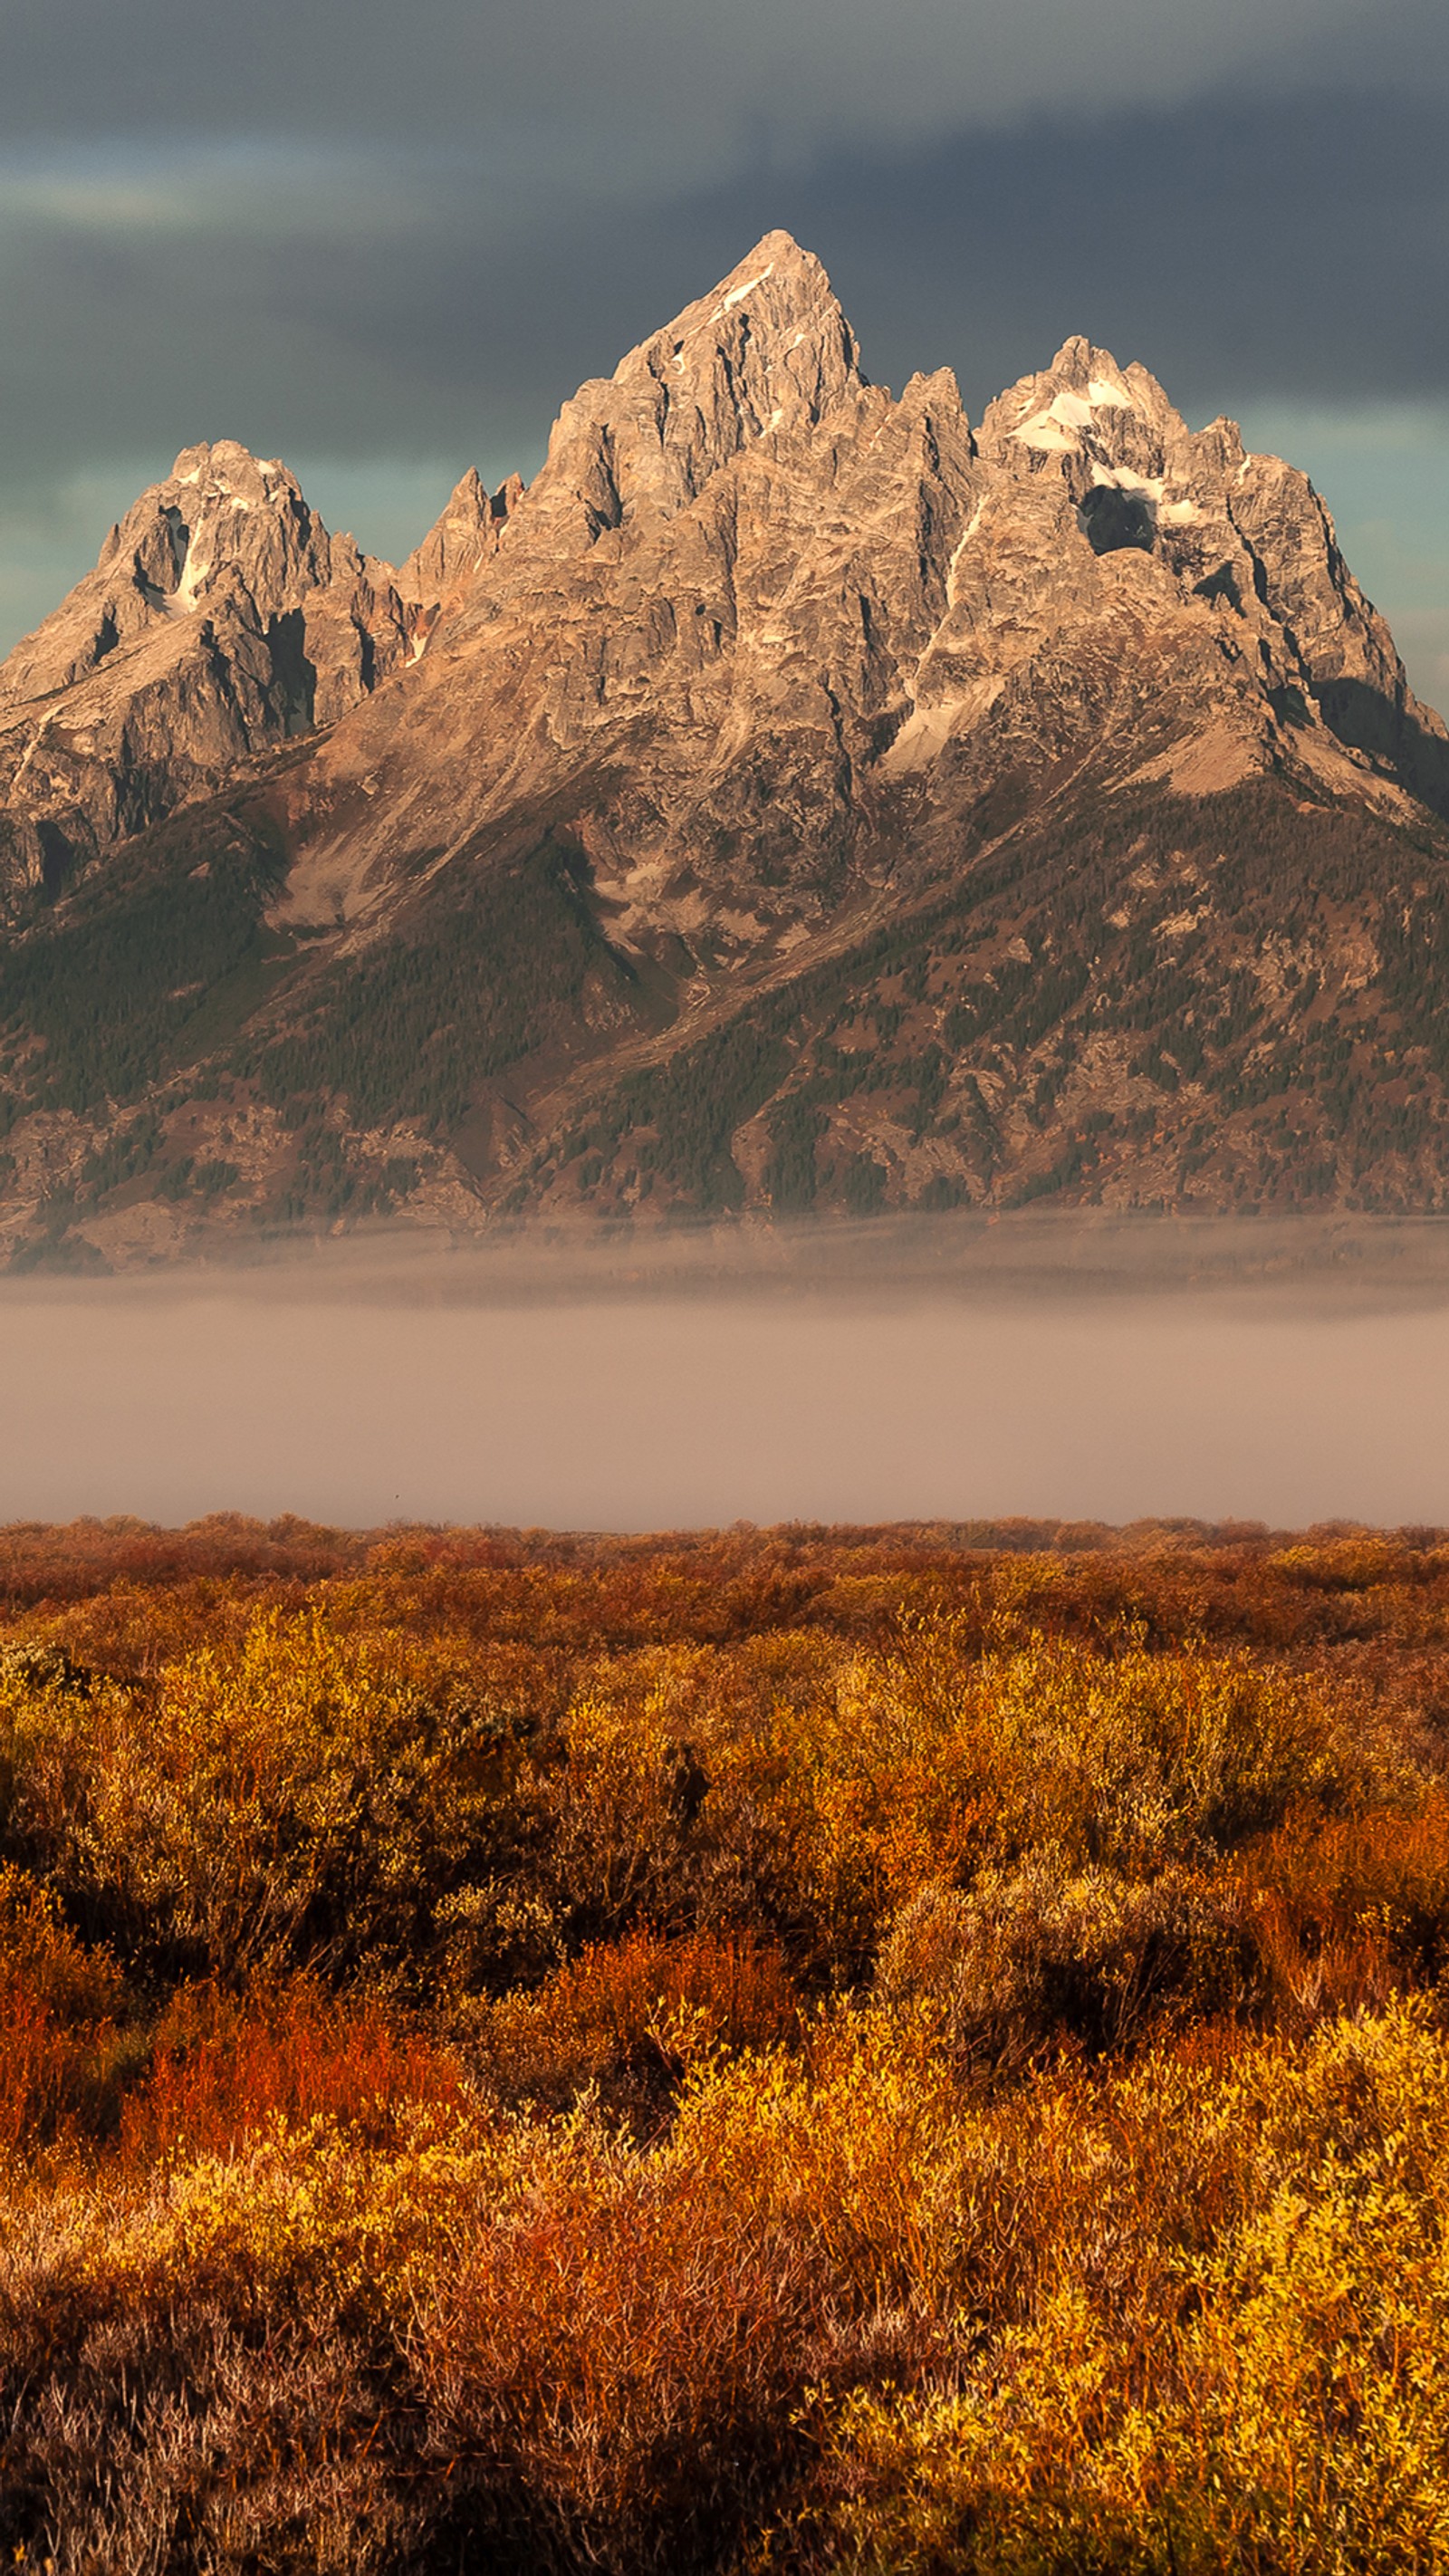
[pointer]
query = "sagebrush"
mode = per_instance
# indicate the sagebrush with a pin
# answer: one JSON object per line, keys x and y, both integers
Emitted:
{"x": 914, "y": 2052}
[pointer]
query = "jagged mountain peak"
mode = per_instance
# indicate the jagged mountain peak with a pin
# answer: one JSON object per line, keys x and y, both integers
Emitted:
{"x": 221, "y": 617}
{"x": 806, "y": 804}
{"x": 1085, "y": 409}
{"x": 223, "y": 464}
{"x": 768, "y": 351}
{"x": 464, "y": 535}
{"x": 223, "y": 528}
{"x": 770, "y": 342}
{"x": 775, "y": 301}
{"x": 1080, "y": 362}
{"x": 776, "y": 251}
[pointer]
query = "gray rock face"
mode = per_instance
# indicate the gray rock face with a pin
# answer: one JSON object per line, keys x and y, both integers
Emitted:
{"x": 754, "y": 580}
{"x": 220, "y": 619}
{"x": 766, "y": 600}
{"x": 763, "y": 668}
{"x": 464, "y": 536}
{"x": 734, "y": 551}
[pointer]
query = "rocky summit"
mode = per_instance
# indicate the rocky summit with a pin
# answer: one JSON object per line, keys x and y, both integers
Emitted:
{"x": 796, "y": 799}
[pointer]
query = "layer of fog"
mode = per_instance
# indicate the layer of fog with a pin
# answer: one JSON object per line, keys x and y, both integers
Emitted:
{"x": 1090, "y": 1370}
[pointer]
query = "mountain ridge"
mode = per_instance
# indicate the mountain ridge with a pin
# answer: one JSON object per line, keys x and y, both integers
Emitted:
{"x": 793, "y": 799}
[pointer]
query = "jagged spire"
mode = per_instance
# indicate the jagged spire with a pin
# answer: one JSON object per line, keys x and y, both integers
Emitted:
{"x": 1098, "y": 419}
{"x": 464, "y": 535}
{"x": 778, "y": 322}
{"x": 222, "y": 523}
{"x": 768, "y": 350}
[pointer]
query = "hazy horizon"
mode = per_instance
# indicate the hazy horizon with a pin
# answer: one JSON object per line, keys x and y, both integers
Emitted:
{"x": 1088, "y": 1370}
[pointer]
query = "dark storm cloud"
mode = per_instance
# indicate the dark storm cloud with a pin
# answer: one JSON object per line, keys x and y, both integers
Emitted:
{"x": 410, "y": 305}
{"x": 1294, "y": 248}
{"x": 618, "y": 68}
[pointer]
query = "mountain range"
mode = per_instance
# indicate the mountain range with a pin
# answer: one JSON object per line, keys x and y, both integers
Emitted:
{"x": 797, "y": 798}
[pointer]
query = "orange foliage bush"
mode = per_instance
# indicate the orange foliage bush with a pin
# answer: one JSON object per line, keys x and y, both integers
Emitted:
{"x": 59, "y": 2005}
{"x": 612, "y": 2372}
{"x": 219, "y": 2068}
{"x": 923, "y": 2052}
{"x": 640, "y": 2004}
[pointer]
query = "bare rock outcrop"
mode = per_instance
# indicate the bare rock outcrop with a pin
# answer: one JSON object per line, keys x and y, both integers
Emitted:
{"x": 463, "y": 536}
{"x": 1246, "y": 535}
{"x": 751, "y": 600}
{"x": 734, "y": 548}
{"x": 221, "y": 618}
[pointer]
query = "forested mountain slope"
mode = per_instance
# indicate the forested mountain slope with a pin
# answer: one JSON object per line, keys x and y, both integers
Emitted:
{"x": 795, "y": 799}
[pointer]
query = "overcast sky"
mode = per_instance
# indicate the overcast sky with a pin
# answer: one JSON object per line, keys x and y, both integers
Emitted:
{"x": 385, "y": 240}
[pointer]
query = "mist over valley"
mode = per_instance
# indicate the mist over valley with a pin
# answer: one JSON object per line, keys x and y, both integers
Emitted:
{"x": 910, "y": 1371}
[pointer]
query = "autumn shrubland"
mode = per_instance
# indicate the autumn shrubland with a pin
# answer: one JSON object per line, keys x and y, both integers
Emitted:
{"x": 909, "y": 2050}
